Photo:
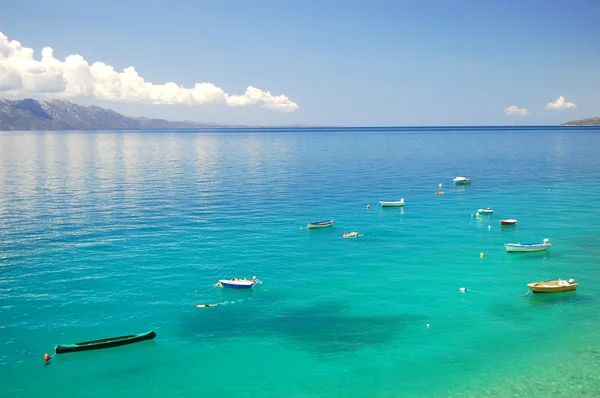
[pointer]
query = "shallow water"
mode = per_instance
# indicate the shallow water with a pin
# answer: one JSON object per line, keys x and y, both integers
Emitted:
{"x": 111, "y": 233}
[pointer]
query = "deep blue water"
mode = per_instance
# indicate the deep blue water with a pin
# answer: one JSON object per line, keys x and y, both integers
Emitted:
{"x": 111, "y": 233}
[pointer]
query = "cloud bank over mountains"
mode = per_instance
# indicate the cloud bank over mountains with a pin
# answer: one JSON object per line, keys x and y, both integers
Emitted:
{"x": 22, "y": 74}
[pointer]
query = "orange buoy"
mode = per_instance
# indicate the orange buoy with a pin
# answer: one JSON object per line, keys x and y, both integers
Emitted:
{"x": 46, "y": 357}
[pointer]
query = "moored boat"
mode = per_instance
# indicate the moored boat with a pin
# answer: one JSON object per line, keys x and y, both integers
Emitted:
{"x": 235, "y": 283}
{"x": 104, "y": 343}
{"x": 508, "y": 221}
{"x": 485, "y": 211}
{"x": 528, "y": 247}
{"x": 553, "y": 286}
{"x": 397, "y": 203}
{"x": 320, "y": 224}
{"x": 461, "y": 180}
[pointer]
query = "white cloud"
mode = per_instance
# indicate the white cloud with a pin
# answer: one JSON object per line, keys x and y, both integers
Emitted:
{"x": 560, "y": 103}
{"x": 514, "y": 110}
{"x": 21, "y": 74}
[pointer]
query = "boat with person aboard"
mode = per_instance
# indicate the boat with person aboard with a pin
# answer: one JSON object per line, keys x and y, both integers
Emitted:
{"x": 553, "y": 286}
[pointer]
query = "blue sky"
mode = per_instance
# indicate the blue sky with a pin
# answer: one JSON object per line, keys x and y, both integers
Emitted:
{"x": 342, "y": 62}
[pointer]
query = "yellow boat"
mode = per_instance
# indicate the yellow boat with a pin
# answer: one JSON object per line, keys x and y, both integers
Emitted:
{"x": 553, "y": 286}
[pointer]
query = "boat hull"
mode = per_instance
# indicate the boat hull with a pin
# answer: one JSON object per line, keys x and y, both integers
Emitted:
{"x": 552, "y": 287}
{"x": 320, "y": 224}
{"x": 461, "y": 181}
{"x": 105, "y": 343}
{"x": 508, "y": 222}
{"x": 514, "y": 247}
{"x": 392, "y": 204}
{"x": 236, "y": 284}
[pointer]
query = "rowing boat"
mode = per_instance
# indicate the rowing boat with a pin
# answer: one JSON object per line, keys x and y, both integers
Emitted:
{"x": 105, "y": 343}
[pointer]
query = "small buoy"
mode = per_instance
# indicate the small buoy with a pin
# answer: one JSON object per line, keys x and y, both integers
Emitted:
{"x": 368, "y": 206}
{"x": 462, "y": 289}
{"x": 427, "y": 325}
{"x": 440, "y": 185}
{"x": 196, "y": 291}
{"x": 46, "y": 357}
{"x": 301, "y": 229}
{"x": 489, "y": 227}
{"x": 481, "y": 255}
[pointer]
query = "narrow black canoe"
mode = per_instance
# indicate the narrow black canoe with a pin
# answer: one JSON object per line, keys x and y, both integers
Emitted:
{"x": 105, "y": 343}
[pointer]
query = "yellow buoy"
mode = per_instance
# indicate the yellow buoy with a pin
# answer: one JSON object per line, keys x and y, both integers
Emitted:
{"x": 440, "y": 184}
{"x": 481, "y": 255}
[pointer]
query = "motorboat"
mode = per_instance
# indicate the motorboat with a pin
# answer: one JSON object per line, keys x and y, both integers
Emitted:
{"x": 528, "y": 247}
{"x": 553, "y": 286}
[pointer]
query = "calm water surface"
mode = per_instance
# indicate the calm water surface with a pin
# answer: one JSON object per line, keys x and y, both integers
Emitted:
{"x": 111, "y": 233}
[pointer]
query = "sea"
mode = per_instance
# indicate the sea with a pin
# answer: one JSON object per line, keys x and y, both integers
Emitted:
{"x": 111, "y": 233}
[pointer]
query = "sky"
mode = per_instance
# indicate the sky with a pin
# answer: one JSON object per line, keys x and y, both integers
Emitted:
{"x": 317, "y": 63}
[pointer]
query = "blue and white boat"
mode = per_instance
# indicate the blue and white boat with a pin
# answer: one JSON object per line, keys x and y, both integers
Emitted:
{"x": 528, "y": 247}
{"x": 235, "y": 283}
{"x": 320, "y": 224}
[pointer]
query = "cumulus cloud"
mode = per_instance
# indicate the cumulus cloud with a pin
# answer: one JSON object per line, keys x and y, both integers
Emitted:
{"x": 22, "y": 74}
{"x": 560, "y": 103}
{"x": 514, "y": 110}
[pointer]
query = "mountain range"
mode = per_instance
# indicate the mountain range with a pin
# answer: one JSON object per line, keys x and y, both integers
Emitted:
{"x": 30, "y": 114}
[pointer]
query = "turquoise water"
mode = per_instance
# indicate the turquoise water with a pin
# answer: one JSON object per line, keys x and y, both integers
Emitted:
{"x": 111, "y": 233}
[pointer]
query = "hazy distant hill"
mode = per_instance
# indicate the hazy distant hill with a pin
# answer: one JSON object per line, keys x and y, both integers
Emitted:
{"x": 594, "y": 121}
{"x": 30, "y": 114}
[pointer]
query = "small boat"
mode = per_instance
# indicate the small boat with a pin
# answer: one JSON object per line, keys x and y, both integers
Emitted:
{"x": 397, "y": 203}
{"x": 352, "y": 234}
{"x": 439, "y": 193}
{"x": 485, "y": 211}
{"x": 508, "y": 221}
{"x": 528, "y": 247}
{"x": 553, "y": 286}
{"x": 236, "y": 283}
{"x": 320, "y": 224}
{"x": 104, "y": 343}
{"x": 461, "y": 180}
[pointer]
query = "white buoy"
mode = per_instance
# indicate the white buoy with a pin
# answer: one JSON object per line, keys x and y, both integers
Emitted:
{"x": 489, "y": 227}
{"x": 462, "y": 289}
{"x": 428, "y": 325}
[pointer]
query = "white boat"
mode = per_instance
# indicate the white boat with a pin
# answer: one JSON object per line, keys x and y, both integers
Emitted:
{"x": 320, "y": 224}
{"x": 461, "y": 180}
{"x": 528, "y": 247}
{"x": 236, "y": 283}
{"x": 397, "y": 203}
{"x": 485, "y": 211}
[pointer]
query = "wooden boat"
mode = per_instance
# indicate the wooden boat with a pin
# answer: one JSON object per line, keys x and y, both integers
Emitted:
{"x": 553, "y": 286}
{"x": 485, "y": 211}
{"x": 105, "y": 343}
{"x": 352, "y": 234}
{"x": 235, "y": 283}
{"x": 320, "y": 224}
{"x": 397, "y": 203}
{"x": 508, "y": 221}
{"x": 527, "y": 247}
{"x": 461, "y": 180}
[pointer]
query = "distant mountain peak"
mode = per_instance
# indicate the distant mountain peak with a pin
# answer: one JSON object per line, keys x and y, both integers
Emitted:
{"x": 57, "y": 114}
